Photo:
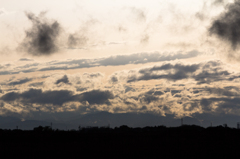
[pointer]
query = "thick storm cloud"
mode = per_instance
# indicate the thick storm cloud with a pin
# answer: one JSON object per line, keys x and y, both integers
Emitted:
{"x": 41, "y": 38}
{"x": 227, "y": 25}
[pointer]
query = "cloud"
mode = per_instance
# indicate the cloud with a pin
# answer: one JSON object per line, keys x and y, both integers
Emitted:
{"x": 41, "y": 39}
{"x": 218, "y": 2}
{"x": 58, "y": 97}
{"x": 148, "y": 98}
{"x": 202, "y": 73}
{"x": 220, "y": 104}
{"x": 173, "y": 92}
{"x": 138, "y": 58}
{"x": 113, "y": 79}
{"x": 140, "y": 15}
{"x": 180, "y": 72}
{"x": 222, "y": 91}
{"x": 21, "y": 81}
{"x": 96, "y": 97}
{"x": 145, "y": 58}
{"x": 36, "y": 84}
{"x": 144, "y": 39}
{"x": 75, "y": 40}
{"x": 64, "y": 79}
{"x": 121, "y": 28}
{"x": 209, "y": 77}
{"x": 175, "y": 99}
{"x": 25, "y": 59}
{"x": 38, "y": 96}
{"x": 226, "y": 26}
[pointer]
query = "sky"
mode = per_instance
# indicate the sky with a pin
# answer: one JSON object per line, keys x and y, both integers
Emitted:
{"x": 160, "y": 60}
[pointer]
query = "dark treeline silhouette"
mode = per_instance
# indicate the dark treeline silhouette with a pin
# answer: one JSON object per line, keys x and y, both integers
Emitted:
{"x": 153, "y": 142}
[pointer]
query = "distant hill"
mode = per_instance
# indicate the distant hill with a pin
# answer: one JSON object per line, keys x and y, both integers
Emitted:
{"x": 115, "y": 120}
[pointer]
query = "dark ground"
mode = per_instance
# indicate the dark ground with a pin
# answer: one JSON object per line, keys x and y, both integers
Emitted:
{"x": 149, "y": 142}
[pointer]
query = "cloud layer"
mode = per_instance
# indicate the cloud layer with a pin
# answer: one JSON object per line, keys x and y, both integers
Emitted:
{"x": 138, "y": 58}
{"x": 183, "y": 90}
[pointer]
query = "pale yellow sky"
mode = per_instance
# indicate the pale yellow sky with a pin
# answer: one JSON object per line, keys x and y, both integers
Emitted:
{"x": 111, "y": 27}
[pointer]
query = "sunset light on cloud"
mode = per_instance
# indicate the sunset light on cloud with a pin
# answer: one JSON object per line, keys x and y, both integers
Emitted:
{"x": 84, "y": 62}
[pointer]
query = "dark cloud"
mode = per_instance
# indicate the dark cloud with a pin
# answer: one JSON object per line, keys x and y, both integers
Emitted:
{"x": 211, "y": 64}
{"x": 92, "y": 75}
{"x": 154, "y": 92}
{"x": 223, "y": 104}
{"x": 209, "y": 77}
{"x": 64, "y": 79}
{"x": 128, "y": 89}
{"x": 113, "y": 79}
{"x": 96, "y": 97}
{"x": 203, "y": 73}
{"x": 148, "y": 98}
{"x": 8, "y": 72}
{"x": 181, "y": 72}
{"x": 25, "y": 59}
{"x": 227, "y": 25}
{"x": 218, "y": 2}
{"x": 221, "y": 91}
{"x": 75, "y": 40}
{"x": 81, "y": 89}
{"x": 190, "y": 106}
{"x": 185, "y": 68}
{"x": 58, "y": 97}
{"x": 175, "y": 92}
{"x": 37, "y": 84}
{"x": 159, "y": 93}
{"x": 206, "y": 104}
{"x": 196, "y": 91}
{"x": 21, "y": 81}
{"x": 41, "y": 39}
{"x": 40, "y": 97}
{"x": 230, "y": 88}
